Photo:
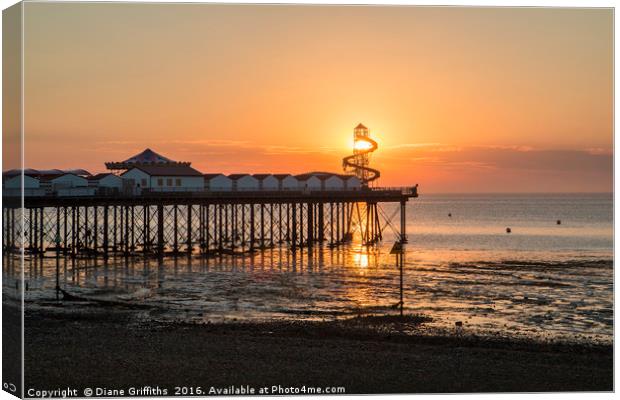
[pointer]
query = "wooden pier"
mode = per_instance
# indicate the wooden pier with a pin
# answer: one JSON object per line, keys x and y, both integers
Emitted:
{"x": 206, "y": 223}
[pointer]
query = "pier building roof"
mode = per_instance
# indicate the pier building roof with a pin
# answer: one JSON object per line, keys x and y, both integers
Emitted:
{"x": 146, "y": 157}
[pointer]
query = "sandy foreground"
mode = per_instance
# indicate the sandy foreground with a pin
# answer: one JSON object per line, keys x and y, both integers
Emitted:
{"x": 115, "y": 351}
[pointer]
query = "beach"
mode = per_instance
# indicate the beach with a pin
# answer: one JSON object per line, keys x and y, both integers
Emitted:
{"x": 113, "y": 350}
{"x": 485, "y": 311}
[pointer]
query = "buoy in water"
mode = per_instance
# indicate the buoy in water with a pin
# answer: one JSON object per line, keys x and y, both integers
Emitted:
{"x": 508, "y": 230}
{"x": 559, "y": 222}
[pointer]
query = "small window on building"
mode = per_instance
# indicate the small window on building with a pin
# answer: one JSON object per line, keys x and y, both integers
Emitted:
{"x": 178, "y": 182}
{"x": 160, "y": 182}
{"x": 169, "y": 182}
{"x": 143, "y": 182}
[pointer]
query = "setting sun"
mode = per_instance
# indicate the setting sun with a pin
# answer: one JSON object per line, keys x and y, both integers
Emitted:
{"x": 361, "y": 145}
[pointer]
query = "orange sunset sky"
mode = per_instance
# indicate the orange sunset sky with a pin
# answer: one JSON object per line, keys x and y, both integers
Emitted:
{"x": 459, "y": 99}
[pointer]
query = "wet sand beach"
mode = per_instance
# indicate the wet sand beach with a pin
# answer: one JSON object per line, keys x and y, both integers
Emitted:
{"x": 364, "y": 355}
{"x": 534, "y": 309}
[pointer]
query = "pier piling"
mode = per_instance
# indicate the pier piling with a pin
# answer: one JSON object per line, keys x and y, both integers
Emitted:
{"x": 234, "y": 223}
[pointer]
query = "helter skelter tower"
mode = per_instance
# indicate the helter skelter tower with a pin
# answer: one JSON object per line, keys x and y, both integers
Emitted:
{"x": 358, "y": 163}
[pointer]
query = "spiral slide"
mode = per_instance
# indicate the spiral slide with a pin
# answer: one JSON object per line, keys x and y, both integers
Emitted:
{"x": 358, "y": 162}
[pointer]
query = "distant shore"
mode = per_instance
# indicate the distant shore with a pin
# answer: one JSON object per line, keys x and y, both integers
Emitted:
{"x": 363, "y": 355}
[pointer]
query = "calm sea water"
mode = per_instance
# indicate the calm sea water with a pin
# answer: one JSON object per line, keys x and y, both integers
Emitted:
{"x": 542, "y": 280}
{"x": 477, "y": 228}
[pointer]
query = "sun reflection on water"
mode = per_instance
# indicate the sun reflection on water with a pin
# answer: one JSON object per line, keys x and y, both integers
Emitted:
{"x": 360, "y": 259}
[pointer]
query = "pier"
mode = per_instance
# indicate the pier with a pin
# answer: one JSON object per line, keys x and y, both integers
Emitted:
{"x": 202, "y": 223}
{"x": 151, "y": 205}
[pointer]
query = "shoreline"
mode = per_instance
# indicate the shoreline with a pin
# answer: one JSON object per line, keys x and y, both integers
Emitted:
{"x": 363, "y": 355}
{"x": 572, "y": 321}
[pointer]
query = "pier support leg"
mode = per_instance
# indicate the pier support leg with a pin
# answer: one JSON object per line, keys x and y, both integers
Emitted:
{"x": 132, "y": 247}
{"x": 30, "y": 224}
{"x": 57, "y": 238}
{"x": 175, "y": 247}
{"x": 201, "y": 225}
{"x": 145, "y": 228}
{"x": 338, "y": 237}
{"x": 288, "y": 223}
{"x": 189, "y": 229}
{"x": 220, "y": 224}
{"x": 294, "y": 226}
{"x": 65, "y": 221}
{"x": 262, "y": 226}
{"x": 35, "y": 231}
{"x": 271, "y": 218}
{"x": 240, "y": 224}
{"x": 95, "y": 231}
{"x": 41, "y": 231}
{"x": 378, "y": 224}
{"x": 13, "y": 224}
{"x": 251, "y": 227}
{"x": 73, "y": 233}
{"x": 106, "y": 242}
{"x": 310, "y": 224}
{"x": 160, "y": 230}
{"x": 226, "y": 224}
{"x": 126, "y": 238}
{"x": 344, "y": 222}
{"x": 331, "y": 224}
{"x": 301, "y": 224}
{"x": 280, "y": 225}
{"x": 403, "y": 222}
{"x": 114, "y": 230}
{"x": 321, "y": 224}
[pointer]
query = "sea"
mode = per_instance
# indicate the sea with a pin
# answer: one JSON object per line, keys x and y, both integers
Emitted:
{"x": 549, "y": 278}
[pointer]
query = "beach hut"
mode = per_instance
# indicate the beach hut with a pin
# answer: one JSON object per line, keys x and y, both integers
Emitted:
{"x": 66, "y": 181}
{"x": 15, "y": 182}
{"x": 287, "y": 182}
{"x": 351, "y": 182}
{"x": 105, "y": 180}
{"x": 13, "y": 186}
{"x": 309, "y": 181}
{"x": 332, "y": 182}
{"x": 106, "y": 183}
{"x": 267, "y": 181}
{"x": 165, "y": 178}
{"x": 66, "y": 185}
{"x": 244, "y": 182}
{"x": 218, "y": 183}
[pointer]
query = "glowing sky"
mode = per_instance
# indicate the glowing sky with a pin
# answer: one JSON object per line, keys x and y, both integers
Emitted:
{"x": 459, "y": 99}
